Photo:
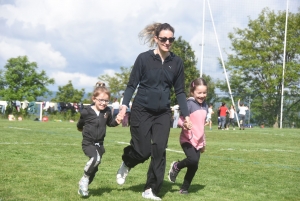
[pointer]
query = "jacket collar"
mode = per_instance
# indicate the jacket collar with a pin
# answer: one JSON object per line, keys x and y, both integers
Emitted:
{"x": 156, "y": 56}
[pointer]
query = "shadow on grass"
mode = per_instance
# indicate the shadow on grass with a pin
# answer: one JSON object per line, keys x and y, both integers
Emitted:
{"x": 167, "y": 187}
{"x": 98, "y": 192}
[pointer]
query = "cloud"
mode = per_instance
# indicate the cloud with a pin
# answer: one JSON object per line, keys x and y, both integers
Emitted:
{"x": 79, "y": 39}
{"x": 40, "y": 52}
{"x": 79, "y": 80}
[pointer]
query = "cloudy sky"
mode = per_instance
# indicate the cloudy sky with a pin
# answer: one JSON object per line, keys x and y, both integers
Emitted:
{"x": 79, "y": 40}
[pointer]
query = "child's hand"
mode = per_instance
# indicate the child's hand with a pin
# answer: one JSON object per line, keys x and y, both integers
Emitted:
{"x": 119, "y": 119}
{"x": 122, "y": 111}
{"x": 187, "y": 124}
{"x": 202, "y": 149}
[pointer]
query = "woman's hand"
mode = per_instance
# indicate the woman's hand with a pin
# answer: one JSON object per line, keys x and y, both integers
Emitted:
{"x": 122, "y": 112}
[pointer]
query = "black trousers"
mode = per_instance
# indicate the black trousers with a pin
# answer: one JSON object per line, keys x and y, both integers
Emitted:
{"x": 149, "y": 138}
{"x": 242, "y": 120}
{"x": 190, "y": 162}
{"x": 231, "y": 121}
{"x": 95, "y": 154}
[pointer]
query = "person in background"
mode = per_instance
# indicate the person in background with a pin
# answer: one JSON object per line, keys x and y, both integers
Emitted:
{"x": 219, "y": 118}
{"x": 242, "y": 114}
{"x": 154, "y": 72}
{"x": 192, "y": 141}
{"x": 92, "y": 123}
{"x": 121, "y": 99}
{"x": 223, "y": 112}
{"x": 115, "y": 107}
{"x": 126, "y": 119}
{"x": 176, "y": 115}
{"x": 209, "y": 116}
{"x": 231, "y": 117}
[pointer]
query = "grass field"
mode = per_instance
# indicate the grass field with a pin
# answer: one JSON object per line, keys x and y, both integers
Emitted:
{"x": 44, "y": 161}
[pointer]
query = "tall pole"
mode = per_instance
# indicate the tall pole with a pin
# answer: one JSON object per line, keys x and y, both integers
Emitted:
{"x": 202, "y": 43}
{"x": 283, "y": 66}
{"x": 223, "y": 62}
{"x": 249, "y": 111}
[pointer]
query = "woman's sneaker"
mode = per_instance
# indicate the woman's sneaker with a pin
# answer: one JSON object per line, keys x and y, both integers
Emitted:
{"x": 173, "y": 172}
{"x": 148, "y": 194}
{"x": 83, "y": 186}
{"x": 182, "y": 191}
{"x": 122, "y": 173}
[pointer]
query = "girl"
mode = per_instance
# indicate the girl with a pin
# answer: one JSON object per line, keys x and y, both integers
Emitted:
{"x": 208, "y": 118}
{"x": 92, "y": 123}
{"x": 192, "y": 141}
{"x": 231, "y": 117}
{"x": 154, "y": 73}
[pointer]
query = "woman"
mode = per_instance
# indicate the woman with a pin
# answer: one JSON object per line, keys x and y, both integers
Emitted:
{"x": 154, "y": 72}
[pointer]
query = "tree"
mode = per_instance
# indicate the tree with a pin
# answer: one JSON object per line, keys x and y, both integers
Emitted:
{"x": 21, "y": 81}
{"x": 118, "y": 82}
{"x": 183, "y": 49}
{"x": 255, "y": 66}
{"x": 68, "y": 94}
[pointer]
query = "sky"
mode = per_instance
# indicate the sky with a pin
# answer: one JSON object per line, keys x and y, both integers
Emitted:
{"x": 80, "y": 40}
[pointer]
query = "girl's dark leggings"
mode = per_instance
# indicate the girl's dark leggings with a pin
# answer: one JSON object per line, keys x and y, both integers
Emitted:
{"x": 190, "y": 162}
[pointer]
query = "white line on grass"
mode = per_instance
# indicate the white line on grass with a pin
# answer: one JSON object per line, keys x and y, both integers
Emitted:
{"x": 30, "y": 143}
{"x": 166, "y": 149}
{"x": 253, "y": 150}
{"x": 20, "y": 128}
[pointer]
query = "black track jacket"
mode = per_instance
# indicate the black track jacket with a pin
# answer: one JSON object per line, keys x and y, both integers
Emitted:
{"x": 94, "y": 127}
{"x": 154, "y": 79}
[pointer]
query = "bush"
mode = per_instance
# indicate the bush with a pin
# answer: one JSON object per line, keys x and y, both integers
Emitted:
{"x": 63, "y": 115}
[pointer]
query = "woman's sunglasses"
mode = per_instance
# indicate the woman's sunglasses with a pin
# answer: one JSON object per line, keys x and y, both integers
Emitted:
{"x": 164, "y": 39}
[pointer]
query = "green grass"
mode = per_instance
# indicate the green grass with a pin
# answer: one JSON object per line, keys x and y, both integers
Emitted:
{"x": 44, "y": 161}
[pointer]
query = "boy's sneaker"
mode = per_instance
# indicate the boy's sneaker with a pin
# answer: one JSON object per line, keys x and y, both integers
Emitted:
{"x": 122, "y": 173}
{"x": 173, "y": 172}
{"x": 83, "y": 186}
{"x": 148, "y": 194}
{"x": 182, "y": 191}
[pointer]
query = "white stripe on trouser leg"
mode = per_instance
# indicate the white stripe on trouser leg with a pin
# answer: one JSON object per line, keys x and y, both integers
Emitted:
{"x": 88, "y": 164}
{"x": 98, "y": 159}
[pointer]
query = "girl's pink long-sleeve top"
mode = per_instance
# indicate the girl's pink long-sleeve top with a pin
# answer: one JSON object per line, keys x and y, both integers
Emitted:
{"x": 198, "y": 113}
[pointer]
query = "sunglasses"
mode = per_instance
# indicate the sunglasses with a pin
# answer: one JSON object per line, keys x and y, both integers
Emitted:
{"x": 102, "y": 100}
{"x": 164, "y": 39}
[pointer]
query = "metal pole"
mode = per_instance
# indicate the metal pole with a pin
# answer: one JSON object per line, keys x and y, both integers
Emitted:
{"x": 203, "y": 20}
{"x": 283, "y": 66}
{"x": 223, "y": 62}
{"x": 249, "y": 112}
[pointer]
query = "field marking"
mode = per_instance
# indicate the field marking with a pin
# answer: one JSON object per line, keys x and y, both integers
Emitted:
{"x": 30, "y": 143}
{"x": 172, "y": 150}
{"x": 254, "y": 150}
{"x": 20, "y": 128}
{"x": 176, "y": 151}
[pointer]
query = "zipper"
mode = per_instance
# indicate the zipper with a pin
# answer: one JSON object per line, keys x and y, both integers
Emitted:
{"x": 160, "y": 85}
